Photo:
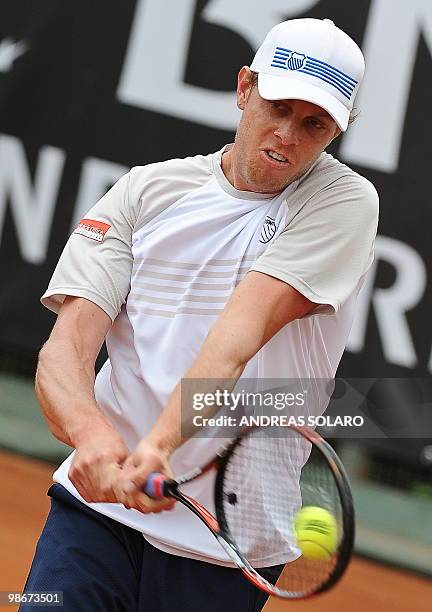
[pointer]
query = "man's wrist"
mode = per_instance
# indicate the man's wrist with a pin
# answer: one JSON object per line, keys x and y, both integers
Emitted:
{"x": 164, "y": 443}
{"x": 88, "y": 430}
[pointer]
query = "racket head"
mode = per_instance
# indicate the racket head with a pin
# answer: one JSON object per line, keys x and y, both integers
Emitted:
{"x": 262, "y": 483}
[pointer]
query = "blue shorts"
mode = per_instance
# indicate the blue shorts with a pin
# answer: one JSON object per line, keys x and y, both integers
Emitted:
{"x": 104, "y": 566}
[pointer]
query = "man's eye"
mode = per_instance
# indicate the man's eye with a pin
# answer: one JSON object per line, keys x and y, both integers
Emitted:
{"x": 316, "y": 124}
{"x": 276, "y": 105}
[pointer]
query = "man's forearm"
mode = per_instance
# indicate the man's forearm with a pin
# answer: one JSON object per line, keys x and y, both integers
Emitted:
{"x": 64, "y": 388}
{"x": 258, "y": 309}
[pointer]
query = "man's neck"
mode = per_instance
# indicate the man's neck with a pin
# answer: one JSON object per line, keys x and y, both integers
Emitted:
{"x": 226, "y": 164}
{"x": 229, "y": 169}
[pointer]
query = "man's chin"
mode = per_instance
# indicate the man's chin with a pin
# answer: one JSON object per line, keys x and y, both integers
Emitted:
{"x": 262, "y": 180}
{"x": 267, "y": 187}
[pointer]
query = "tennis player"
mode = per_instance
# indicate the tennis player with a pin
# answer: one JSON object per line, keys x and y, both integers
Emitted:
{"x": 245, "y": 262}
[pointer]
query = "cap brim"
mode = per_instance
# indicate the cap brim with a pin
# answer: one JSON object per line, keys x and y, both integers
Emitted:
{"x": 272, "y": 87}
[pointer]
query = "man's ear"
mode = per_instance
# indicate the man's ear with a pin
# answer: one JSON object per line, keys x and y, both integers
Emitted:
{"x": 244, "y": 86}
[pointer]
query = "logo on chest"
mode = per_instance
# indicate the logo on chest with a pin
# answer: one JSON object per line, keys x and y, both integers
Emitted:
{"x": 268, "y": 230}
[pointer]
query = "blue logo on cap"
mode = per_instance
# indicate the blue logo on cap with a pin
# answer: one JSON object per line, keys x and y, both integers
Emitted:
{"x": 286, "y": 59}
{"x": 296, "y": 60}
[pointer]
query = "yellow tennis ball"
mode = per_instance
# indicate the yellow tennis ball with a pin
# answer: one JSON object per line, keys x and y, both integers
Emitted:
{"x": 317, "y": 533}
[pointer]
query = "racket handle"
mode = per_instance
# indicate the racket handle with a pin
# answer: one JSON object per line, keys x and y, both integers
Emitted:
{"x": 155, "y": 485}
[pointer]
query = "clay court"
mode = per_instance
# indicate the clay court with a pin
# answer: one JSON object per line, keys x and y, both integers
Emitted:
{"x": 24, "y": 505}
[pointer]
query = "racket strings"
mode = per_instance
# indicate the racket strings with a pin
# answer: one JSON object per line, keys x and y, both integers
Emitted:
{"x": 266, "y": 483}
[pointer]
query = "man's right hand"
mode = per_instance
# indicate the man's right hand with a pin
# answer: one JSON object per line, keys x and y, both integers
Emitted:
{"x": 97, "y": 465}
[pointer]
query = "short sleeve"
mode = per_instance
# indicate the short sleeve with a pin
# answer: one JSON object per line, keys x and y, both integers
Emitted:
{"x": 96, "y": 262}
{"x": 328, "y": 247}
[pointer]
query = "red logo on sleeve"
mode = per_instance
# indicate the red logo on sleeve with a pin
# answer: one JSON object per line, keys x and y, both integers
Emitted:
{"x": 95, "y": 230}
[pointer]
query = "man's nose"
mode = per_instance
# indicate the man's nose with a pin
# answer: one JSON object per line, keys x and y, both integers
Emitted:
{"x": 288, "y": 133}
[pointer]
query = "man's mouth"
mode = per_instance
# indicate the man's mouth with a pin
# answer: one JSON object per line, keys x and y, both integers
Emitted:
{"x": 273, "y": 155}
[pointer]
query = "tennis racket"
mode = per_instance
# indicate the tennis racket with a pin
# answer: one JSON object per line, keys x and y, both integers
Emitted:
{"x": 261, "y": 484}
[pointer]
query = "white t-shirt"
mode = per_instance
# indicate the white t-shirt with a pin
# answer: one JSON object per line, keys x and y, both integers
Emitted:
{"x": 162, "y": 251}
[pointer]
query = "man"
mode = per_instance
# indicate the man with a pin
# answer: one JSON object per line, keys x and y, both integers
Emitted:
{"x": 246, "y": 262}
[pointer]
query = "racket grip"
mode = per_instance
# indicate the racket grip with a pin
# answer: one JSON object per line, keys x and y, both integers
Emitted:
{"x": 154, "y": 486}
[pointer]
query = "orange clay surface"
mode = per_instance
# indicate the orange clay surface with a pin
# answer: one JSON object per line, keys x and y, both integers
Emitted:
{"x": 366, "y": 587}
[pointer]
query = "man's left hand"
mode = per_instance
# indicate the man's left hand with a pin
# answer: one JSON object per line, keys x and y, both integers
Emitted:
{"x": 146, "y": 458}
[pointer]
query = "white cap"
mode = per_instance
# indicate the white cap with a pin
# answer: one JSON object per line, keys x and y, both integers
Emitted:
{"x": 312, "y": 60}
